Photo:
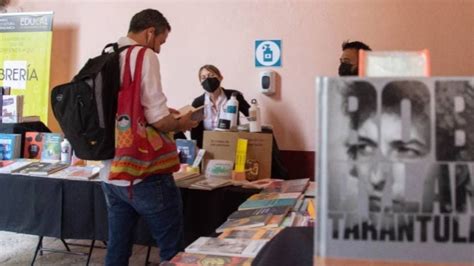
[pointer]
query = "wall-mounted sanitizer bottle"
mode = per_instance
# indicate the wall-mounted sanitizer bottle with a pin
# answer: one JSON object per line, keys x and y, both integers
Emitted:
{"x": 254, "y": 117}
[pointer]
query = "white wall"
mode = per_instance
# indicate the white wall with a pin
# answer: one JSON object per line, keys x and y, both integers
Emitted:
{"x": 223, "y": 32}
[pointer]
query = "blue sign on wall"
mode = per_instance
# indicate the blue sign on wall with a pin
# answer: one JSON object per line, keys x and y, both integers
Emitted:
{"x": 268, "y": 53}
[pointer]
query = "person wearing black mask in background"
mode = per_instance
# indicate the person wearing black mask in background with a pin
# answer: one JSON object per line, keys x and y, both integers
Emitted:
{"x": 350, "y": 58}
{"x": 214, "y": 98}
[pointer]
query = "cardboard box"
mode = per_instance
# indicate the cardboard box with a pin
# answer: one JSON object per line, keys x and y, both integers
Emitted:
{"x": 222, "y": 145}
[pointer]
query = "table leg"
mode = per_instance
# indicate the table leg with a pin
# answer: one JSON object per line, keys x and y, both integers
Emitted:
{"x": 147, "y": 261}
{"x": 38, "y": 248}
{"x": 90, "y": 252}
{"x": 65, "y": 245}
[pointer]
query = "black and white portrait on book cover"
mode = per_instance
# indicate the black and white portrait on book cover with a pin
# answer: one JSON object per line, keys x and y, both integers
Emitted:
{"x": 396, "y": 168}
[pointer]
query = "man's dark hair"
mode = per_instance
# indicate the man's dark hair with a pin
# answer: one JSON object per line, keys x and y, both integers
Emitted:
{"x": 355, "y": 45}
{"x": 149, "y": 18}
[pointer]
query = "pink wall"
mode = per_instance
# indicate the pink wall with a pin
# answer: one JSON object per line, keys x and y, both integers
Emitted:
{"x": 223, "y": 33}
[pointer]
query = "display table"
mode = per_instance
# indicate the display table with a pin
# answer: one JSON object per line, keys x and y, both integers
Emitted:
{"x": 295, "y": 246}
{"x": 70, "y": 209}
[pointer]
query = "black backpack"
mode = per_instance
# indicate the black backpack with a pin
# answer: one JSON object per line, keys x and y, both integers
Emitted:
{"x": 85, "y": 107}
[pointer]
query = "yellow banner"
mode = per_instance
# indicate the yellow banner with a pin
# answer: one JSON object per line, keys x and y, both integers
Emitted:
{"x": 25, "y": 58}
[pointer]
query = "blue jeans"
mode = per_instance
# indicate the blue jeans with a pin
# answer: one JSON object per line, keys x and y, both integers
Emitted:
{"x": 158, "y": 201}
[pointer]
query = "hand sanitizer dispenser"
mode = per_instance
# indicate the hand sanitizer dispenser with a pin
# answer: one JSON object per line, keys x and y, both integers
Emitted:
{"x": 267, "y": 82}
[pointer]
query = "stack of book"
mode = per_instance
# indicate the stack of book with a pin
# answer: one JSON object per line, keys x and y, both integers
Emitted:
{"x": 248, "y": 229}
{"x": 282, "y": 199}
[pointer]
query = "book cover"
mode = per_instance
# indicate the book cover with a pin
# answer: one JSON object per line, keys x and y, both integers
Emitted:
{"x": 243, "y": 223}
{"x": 186, "y": 150}
{"x": 197, "y": 112}
{"x": 187, "y": 182}
{"x": 310, "y": 191}
{"x": 51, "y": 147}
{"x": 183, "y": 175}
{"x": 260, "y": 184}
{"x": 275, "y": 221}
{"x": 241, "y": 155}
{"x": 33, "y": 145}
{"x": 274, "y": 195}
{"x": 280, "y": 210}
{"x": 254, "y": 204}
{"x": 10, "y": 146}
{"x": 16, "y": 164}
{"x": 288, "y": 186}
{"x": 40, "y": 168}
{"x": 395, "y": 169}
{"x": 12, "y": 109}
{"x": 192, "y": 259}
{"x": 77, "y": 172}
{"x": 254, "y": 234}
{"x": 211, "y": 183}
{"x": 226, "y": 247}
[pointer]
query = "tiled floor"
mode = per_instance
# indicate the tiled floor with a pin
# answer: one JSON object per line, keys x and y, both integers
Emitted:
{"x": 18, "y": 249}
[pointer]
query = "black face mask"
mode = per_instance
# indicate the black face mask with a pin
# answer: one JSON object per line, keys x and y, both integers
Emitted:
{"x": 345, "y": 69}
{"x": 211, "y": 84}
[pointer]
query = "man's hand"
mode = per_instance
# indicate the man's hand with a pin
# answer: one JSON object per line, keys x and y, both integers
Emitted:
{"x": 173, "y": 111}
{"x": 186, "y": 123}
{"x": 170, "y": 123}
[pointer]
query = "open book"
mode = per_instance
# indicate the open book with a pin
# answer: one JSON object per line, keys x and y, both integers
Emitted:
{"x": 198, "y": 112}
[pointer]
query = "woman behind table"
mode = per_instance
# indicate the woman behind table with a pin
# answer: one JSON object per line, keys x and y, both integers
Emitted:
{"x": 214, "y": 99}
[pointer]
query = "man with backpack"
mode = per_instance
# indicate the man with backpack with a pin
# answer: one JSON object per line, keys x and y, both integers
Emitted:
{"x": 145, "y": 186}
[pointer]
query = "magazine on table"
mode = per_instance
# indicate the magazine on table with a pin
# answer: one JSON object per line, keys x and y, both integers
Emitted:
{"x": 211, "y": 183}
{"x": 40, "y": 168}
{"x": 253, "y": 233}
{"x": 77, "y": 172}
{"x": 243, "y": 223}
{"x": 192, "y": 259}
{"x": 226, "y": 247}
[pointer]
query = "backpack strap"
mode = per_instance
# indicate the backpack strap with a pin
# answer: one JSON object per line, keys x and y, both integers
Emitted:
{"x": 115, "y": 48}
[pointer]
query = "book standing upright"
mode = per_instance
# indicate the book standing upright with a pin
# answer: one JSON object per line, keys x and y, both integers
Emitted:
{"x": 395, "y": 169}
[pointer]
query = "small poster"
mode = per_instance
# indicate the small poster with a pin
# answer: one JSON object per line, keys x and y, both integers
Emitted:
{"x": 25, "y": 57}
{"x": 268, "y": 53}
